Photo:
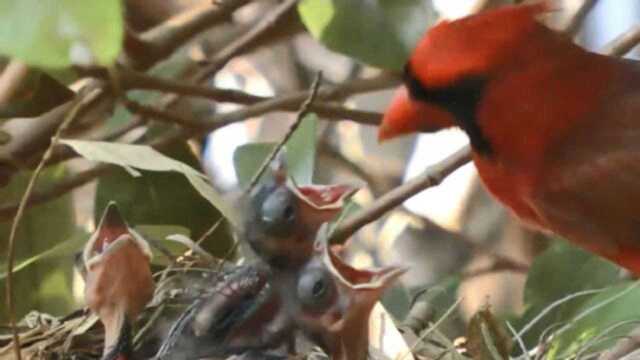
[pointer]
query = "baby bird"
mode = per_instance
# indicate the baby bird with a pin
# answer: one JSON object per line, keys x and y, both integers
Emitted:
{"x": 283, "y": 218}
{"x": 118, "y": 280}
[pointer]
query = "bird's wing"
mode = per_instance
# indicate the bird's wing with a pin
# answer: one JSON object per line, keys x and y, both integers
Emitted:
{"x": 589, "y": 188}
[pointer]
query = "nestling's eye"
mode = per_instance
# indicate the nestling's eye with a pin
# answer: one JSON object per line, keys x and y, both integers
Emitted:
{"x": 315, "y": 289}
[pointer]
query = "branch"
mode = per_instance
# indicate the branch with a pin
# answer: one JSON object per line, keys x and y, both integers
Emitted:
{"x": 432, "y": 176}
{"x": 163, "y": 115}
{"x": 574, "y": 23}
{"x": 304, "y": 110}
{"x": 161, "y": 41}
{"x": 246, "y": 41}
{"x": 131, "y": 80}
{"x": 623, "y": 347}
{"x": 69, "y": 118}
{"x": 8, "y": 211}
{"x": 498, "y": 265}
{"x": 11, "y": 79}
{"x": 623, "y": 43}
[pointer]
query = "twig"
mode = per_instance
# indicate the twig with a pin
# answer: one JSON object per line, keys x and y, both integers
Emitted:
{"x": 11, "y": 79}
{"x": 433, "y": 327}
{"x": 163, "y": 115}
{"x": 9, "y": 211}
{"x": 244, "y": 42}
{"x": 623, "y": 347}
{"x": 498, "y": 265}
{"x": 432, "y": 176}
{"x": 162, "y": 40}
{"x": 574, "y": 24}
{"x": 21, "y": 208}
{"x": 304, "y": 110}
{"x": 623, "y": 43}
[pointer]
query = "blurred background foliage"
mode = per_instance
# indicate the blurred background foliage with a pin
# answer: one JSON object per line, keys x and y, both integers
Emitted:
{"x": 448, "y": 235}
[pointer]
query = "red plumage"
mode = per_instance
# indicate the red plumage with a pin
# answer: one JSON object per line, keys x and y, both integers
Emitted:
{"x": 555, "y": 129}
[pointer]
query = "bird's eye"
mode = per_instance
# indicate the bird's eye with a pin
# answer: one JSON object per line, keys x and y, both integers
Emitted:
{"x": 278, "y": 212}
{"x": 315, "y": 289}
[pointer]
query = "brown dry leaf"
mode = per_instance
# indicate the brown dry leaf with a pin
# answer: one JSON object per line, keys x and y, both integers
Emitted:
{"x": 487, "y": 338}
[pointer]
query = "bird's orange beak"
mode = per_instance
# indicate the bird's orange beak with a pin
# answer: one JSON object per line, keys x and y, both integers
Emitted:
{"x": 405, "y": 115}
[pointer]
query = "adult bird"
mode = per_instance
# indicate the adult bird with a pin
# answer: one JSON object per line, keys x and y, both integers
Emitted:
{"x": 118, "y": 282}
{"x": 554, "y": 129}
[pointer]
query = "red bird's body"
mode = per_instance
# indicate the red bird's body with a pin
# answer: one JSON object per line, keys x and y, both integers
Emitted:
{"x": 555, "y": 130}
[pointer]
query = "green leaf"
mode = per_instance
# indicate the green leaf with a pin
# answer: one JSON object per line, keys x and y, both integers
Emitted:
{"x": 64, "y": 249}
{"x": 559, "y": 273}
{"x": 141, "y": 157}
{"x": 157, "y": 236}
{"x": 59, "y": 33}
{"x": 381, "y": 33}
{"x": 39, "y": 94}
{"x": 43, "y": 227}
{"x": 301, "y": 150}
{"x": 300, "y": 154}
{"x": 163, "y": 198}
{"x": 599, "y": 322}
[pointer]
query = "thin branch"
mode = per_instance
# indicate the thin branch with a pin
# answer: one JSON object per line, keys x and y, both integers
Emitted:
{"x": 623, "y": 43}
{"x": 623, "y": 347}
{"x": 259, "y": 104}
{"x": 246, "y": 41}
{"x": 496, "y": 266}
{"x": 71, "y": 115}
{"x": 163, "y": 115}
{"x": 8, "y": 211}
{"x": 161, "y": 41}
{"x": 305, "y": 108}
{"x": 432, "y": 176}
{"x": 574, "y": 24}
{"x": 11, "y": 79}
{"x": 286, "y": 102}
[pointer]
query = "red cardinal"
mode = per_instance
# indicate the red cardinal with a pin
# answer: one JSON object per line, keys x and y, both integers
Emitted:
{"x": 555, "y": 129}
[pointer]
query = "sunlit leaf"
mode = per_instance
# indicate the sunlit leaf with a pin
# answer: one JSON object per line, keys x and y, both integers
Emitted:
{"x": 377, "y": 32}
{"x": 134, "y": 158}
{"x": 608, "y": 316}
{"x": 58, "y": 33}
{"x": 300, "y": 154}
{"x": 560, "y": 272}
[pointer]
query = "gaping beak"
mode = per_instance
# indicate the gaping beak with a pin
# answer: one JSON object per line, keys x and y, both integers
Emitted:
{"x": 405, "y": 115}
{"x": 343, "y": 325}
{"x": 325, "y": 197}
{"x": 118, "y": 276}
